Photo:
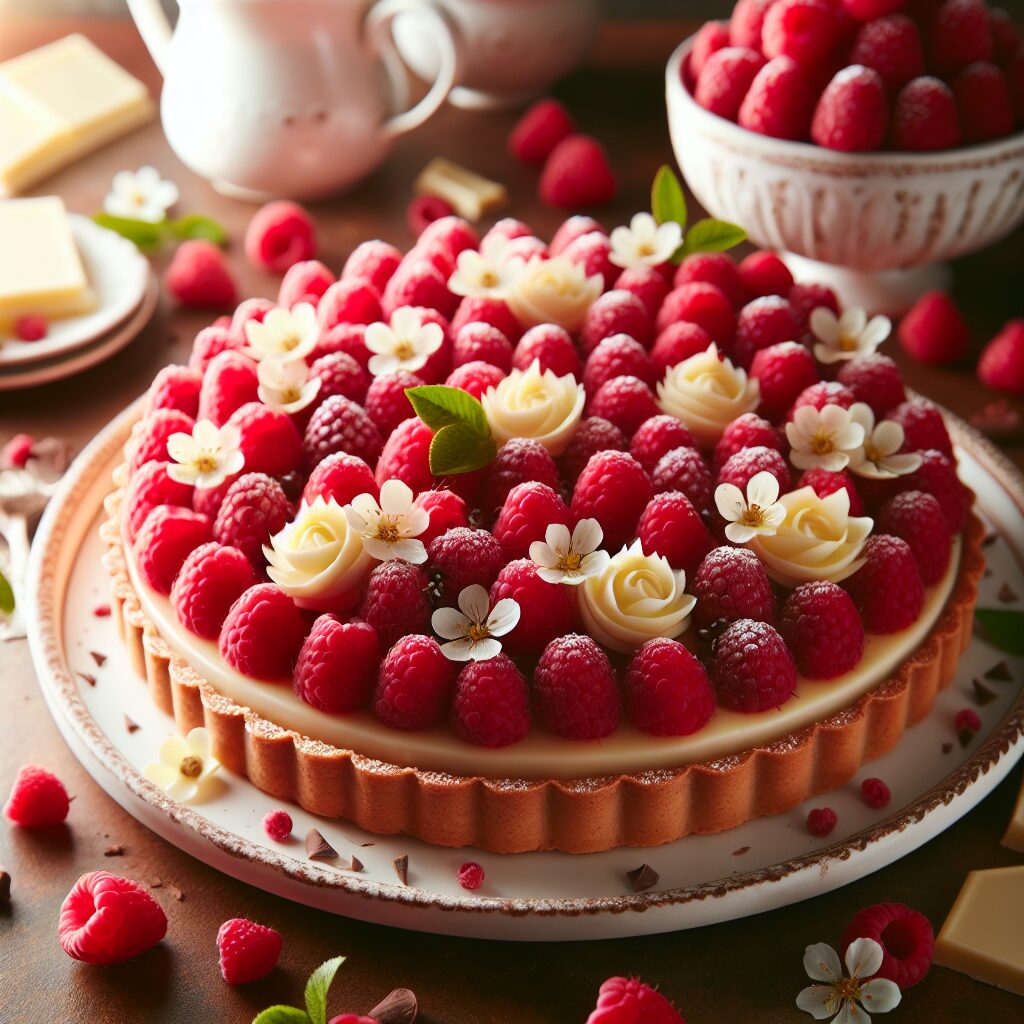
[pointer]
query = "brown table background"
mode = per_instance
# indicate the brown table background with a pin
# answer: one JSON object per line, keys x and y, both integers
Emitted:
{"x": 748, "y": 970}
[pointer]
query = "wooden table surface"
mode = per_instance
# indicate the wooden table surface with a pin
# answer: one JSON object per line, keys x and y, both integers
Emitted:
{"x": 743, "y": 971}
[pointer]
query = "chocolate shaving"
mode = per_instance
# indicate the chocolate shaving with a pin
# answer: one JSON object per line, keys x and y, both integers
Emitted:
{"x": 317, "y": 848}
{"x": 982, "y": 694}
{"x": 742, "y": 850}
{"x": 1007, "y": 594}
{"x": 357, "y": 864}
{"x": 100, "y": 659}
{"x": 965, "y": 736}
{"x": 87, "y": 677}
{"x": 401, "y": 866}
{"x": 5, "y": 886}
{"x": 101, "y": 611}
{"x": 131, "y": 725}
{"x": 989, "y": 539}
{"x": 364, "y": 845}
{"x": 947, "y": 747}
{"x": 114, "y": 850}
{"x": 643, "y": 877}
{"x": 398, "y": 1007}
{"x": 1000, "y": 673}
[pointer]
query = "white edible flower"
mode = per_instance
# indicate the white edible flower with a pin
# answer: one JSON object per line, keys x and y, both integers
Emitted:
{"x": 285, "y": 384}
{"x": 758, "y": 512}
{"x": 140, "y": 195}
{"x": 645, "y": 242}
{"x": 488, "y": 273}
{"x": 284, "y": 333}
{"x": 206, "y": 457}
{"x": 184, "y": 765}
{"x": 389, "y": 528}
{"x": 823, "y": 438}
{"x": 879, "y": 457}
{"x": 564, "y": 558}
{"x": 471, "y": 632}
{"x": 406, "y": 344}
{"x": 846, "y": 999}
{"x": 848, "y": 336}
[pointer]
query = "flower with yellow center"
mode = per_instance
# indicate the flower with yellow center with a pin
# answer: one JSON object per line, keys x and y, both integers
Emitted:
{"x": 823, "y": 438}
{"x": 284, "y": 333}
{"x": 140, "y": 195}
{"x": 488, "y": 273}
{"x": 553, "y": 291}
{"x": 847, "y": 999}
{"x": 645, "y": 243}
{"x": 565, "y": 558}
{"x": 389, "y": 528}
{"x": 406, "y": 343}
{"x": 206, "y": 457}
{"x": 184, "y": 766}
{"x": 286, "y": 384}
{"x": 849, "y": 336}
{"x": 757, "y": 513}
{"x": 472, "y": 631}
{"x": 879, "y": 458}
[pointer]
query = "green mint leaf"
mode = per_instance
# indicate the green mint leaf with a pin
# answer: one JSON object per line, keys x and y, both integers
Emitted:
{"x": 667, "y": 200}
{"x": 711, "y": 236}
{"x": 439, "y": 406}
{"x": 281, "y": 1015}
{"x": 143, "y": 233}
{"x": 1003, "y": 627}
{"x": 318, "y": 986}
{"x": 6, "y": 595}
{"x": 458, "y": 448}
{"x": 195, "y": 225}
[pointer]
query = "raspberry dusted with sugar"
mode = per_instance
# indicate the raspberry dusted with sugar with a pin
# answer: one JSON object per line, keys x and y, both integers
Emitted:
{"x": 106, "y": 920}
{"x": 613, "y": 313}
{"x": 875, "y": 380}
{"x": 269, "y": 440}
{"x": 711, "y": 37}
{"x": 168, "y": 536}
{"x": 253, "y": 510}
{"x": 552, "y": 346}
{"x": 748, "y": 462}
{"x": 824, "y": 483}
{"x": 31, "y": 327}
{"x": 546, "y": 610}
{"x": 617, "y": 356}
{"x": 577, "y": 173}
{"x": 280, "y": 235}
{"x": 340, "y": 477}
{"x": 277, "y": 825}
{"x": 396, "y": 600}
{"x": 414, "y": 684}
{"x": 592, "y": 253}
{"x": 406, "y": 456}
{"x": 199, "y": 277}
{"x": 670, "y": 526}
{"x": 340, "y": 425}
{"x": 725, "y": 79}
{"x": 470, "y": 875}
{"x": 717, "y": 268}
{"x": 372, "y": 261}
{"x": 263, "y": 632}
{"x": 918, "y": 518}
{"x": 984, "y": 102}
{"x": 386, "y": 401}
{"x": 475, "y": 378}
{"x": 248, "y": 951}
{"x": 482, "y": 343}
{"x": 852, "y": 113}
{"x": 527, "y": 512}
{"x": 462, "y": 557}
{"x": 491, "y": 704}
{"x": 937, "y": 476}
{"x": 887, "y": 588}
{"x": 337, "y": 664}
{"x": 175, "y": 387}
{"x": 667, "y": 690}
{"x": 782, "y": 372}
{"x": 148, "y": 442}
{"x": 780, "y": 101}
{"x": 352, "y": 301}
{"x": 211, "y": 579}
{"x": 807, "y": 297}
{"x": 519, "y": 460}
{"x": 230, "y": 381}
{"x": 892, "y": 46}
{"x": 684, "y": 469}
{"x": 38, "y": 798}
{"x": 489, "y": 311}
{"x": 925, "y": 117}
{"x": 613, "y": 489}
{"x": 676, "y": 343}
{"x": 149, "y": 487}
{"x": 445, "y": 511}
{"x": 539, "y": 130}
{"x": 648, "y": 284}
{"x": 625, "y": 401}
{"x": 823, "y": 630}
{"x": 934, "y": 330}
{"x": 875, "y": 793}
{"x": 701, "y": 304}
{"x": 825, "y": 392}
{"x": 905, "y": 936}
{"x": 763, "y": 322}
{"x": 959, "y": 34}
{"x": 763, "y": 273}
{"x": 747, "y": 23}
{"x": 417, "y": 282}
{"x": 305, "y": 282}
{"x": 593, "y": 435}
{"x": 576, "y": 688}
{"x": 731, "y": 584}
{"x": 630, "y": 1001}
{"x": 806, "y": 30}
{"x": 1001, "y": 365}
{"x": 751, "y": 667}
{"x": 821, "y": 821}
{"x": 658, "y": 436}
{"x": 867, "y": 10}
{"x": 573, "y": 228}
{"x": 17, "y": 451}
{"x": 923, "y": 427}
{"x": 340, "y": 374}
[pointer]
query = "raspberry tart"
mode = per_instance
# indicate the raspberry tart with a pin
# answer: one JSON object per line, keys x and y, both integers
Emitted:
{"x": 567, "y": 550}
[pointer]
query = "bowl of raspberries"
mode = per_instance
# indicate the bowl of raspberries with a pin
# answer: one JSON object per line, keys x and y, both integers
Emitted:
{"x": 868, "y": 140}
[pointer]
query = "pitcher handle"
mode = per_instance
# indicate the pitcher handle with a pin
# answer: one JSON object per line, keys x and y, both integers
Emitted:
{"x": 154, "y": 28}
{"x": 378, "y": 24}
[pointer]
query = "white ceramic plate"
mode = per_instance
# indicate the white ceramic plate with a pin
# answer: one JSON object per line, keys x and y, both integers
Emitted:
{"x": 117, "y": 272}
{"x": 766, "y": 863}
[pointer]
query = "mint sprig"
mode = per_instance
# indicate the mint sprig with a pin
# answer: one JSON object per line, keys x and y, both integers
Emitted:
{"x": 315, "y": 997}
{"x": 668, "y": 204}
{"x": 150, "y": 236}
{"x": 6, "y": 595}
{"x": 462, "y": 439}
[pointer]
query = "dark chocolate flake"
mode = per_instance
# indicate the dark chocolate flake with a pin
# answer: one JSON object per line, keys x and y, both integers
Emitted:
{"x": 100, "y": 659}
{"x": 131, "y": 725}
{"x": 642, "y": 878}
{"x": 989, "y": 539}
{"x": 401, "y": 866}
{"x": 317, "y": 848}
{"x": 87, "y": 677}
{"x": 1000, "y": 673}
{"x": 742, "y": 850}
{"x": 356, "y": 865}
{"x": 398, "y": 1007}
{"x": 966, "y": 736}
{"x": 982, "y": 694}
{"x": 5, "y": 886}
{"x": 947, "y": 747}
{"x": 1007, "y": 594}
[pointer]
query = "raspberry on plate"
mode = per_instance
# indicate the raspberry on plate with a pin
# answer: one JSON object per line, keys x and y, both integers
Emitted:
{"x": 823, "y": 630}
{"x": 1001, "y": 364}
{"x": 414, "y": 684}
{"x": 576, "y": 173}
{"x": 340, "y": 478}
{"x": 934, "y": 331}
{"x": 751, "y": 667}
{"x": 676, "y": 343}
{"x": 725, "y": 79}
{"x": 38, "y": 798}
{"x": 670, "y": 526}
{"x": 211, "y": 579}
{"x": 887, "y": 588}
{"x": 630, "y": 1001}
{"x": 625, "y": 401}
{"x": 616, "y": 312}
{"x": 852, "y": 114}
{"x": 892, "y": 46}
{"x": 782, "y": 371}
{"x": 684, "y": 469}
{"x": 763, "y": 273}
{"x": 340, "y": 425}
{"x": 780, "y": 101}
{"x": 248, "y": 951}
{"x": 658, "y": 436}
{"x": 462, "y": 556}
{"x": 875, "y": 793}
{"x": 529, "y": 509}
{"x": 762, "y": 323}
{"x": 613, "y": 489}
{"x": 576, "y": 689}
{"x": 168, "y": 535}
{"x": 618, "y": 355}
{"x": 918, "y": 518}
{"x": 821, "y": 821}
{"x": 148, "y": 487}
{"x": 667, "y": 690}
{"x": 253, "y": 510}
{"x": 491, "y": 704}
{"x": 337, "y": 663}
{"x": 280, "y": 235}
{"x": 519, "y": 460}
{"x": 277, "y": 824}
{"x": 539, "y": 130}
{"x": 470, "y": 875}
{"x": 905, "y": 936}
{"x": 552, "y": 346}
{"x": 396, "y": 601}
{"x": 731, "y": 584}
{"x": 546, "y": 610}
{"x": 262, "y": 633}
{"x": 875, "y": 380}
{"x": 806, "y": 30}
{"x": 593, "y": 435}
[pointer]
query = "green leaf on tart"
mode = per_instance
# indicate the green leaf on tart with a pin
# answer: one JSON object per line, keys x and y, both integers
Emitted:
{"x": 439, "y": 406}
{"x": 6, "y": 595}
{"x": 668, "y": 203}
{"x": 144, "y": 233}
{"x": 196, "y": 225}
{"x": 710, "y": 235}
{"x": 281, "y": 1015}
{"x": 1003, "y": 627}
{"x": 318, "y": 986}
{"x": 458, "y": 448}
{"x": 462, "y": 438}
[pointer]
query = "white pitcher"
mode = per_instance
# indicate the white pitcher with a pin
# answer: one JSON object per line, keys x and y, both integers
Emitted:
{"x": 288, "y": 98}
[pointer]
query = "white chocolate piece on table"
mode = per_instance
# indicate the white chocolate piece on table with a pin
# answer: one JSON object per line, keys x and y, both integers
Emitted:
{"x": 470, "y": 194}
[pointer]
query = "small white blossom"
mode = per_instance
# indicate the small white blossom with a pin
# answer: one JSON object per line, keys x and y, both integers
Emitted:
{"x": 645, "y": 242}
{"x": 846, "y": 999}
{"x": 286, "y": 384}
{"x": 848, "y": 336}
{"x": 389, "y": 528}
{"x": 184, "y": 765}
{"x": 757, "y": 513}
{"x": 206, "y": 457}
{"x": 283, "y": 333}
{"x": 565, "y": 558}
{"x": 406, "y": 344}
{"x": 140, "y": 195}
{"x": 879, "y": 457}
{"x": 471, "y": 632}
{"x": 488, "y": 273}
{"x": 823, "y": 439}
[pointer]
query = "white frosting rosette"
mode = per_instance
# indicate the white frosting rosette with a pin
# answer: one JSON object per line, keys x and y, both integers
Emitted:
{"x": 818, "y": 539}
{"x": 318, "y": 559}
{"x": 554, "y": 291}
{"x": 707, "y": 393}
{"x": 634, "y": 598}
{"x": 541, "y": 406}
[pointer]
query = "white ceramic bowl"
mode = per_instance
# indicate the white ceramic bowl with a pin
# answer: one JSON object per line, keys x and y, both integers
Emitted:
{"x": 876, "y": 226}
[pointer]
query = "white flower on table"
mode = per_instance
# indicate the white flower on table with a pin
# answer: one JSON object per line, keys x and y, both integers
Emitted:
{"x": 562, "y": 557}
{"x": 471, "y": 632}
{"x": 645, "y": 242}
{"x": 823, "y": 438}
{"x": 759, "y": 512}
{"x": 404, "y": 344}
{"x": 283, "y": 333}
{"x": 206, "y": 457}
{"x": 848, "y": 336}
{"x": 184, "y": 765}
{"x": 846, "y": 999}
{"x": 285, "y": 384}
{"x": 389, "y": 528}
{"x": 488, "y": 273}
{"x": 879, "y": 457}
{"x": 140, "y": 195}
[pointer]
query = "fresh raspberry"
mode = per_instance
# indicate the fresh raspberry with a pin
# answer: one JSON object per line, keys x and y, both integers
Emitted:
{"x": 824, "y": 483}
{"x": 340, "y": 425}
{"x": 593, "y": 252}
{"x": 823, "y": 630}
{"x": 875, "y": 793}
{"x": 570, "y": 230}
{"x": 959, "y": 34}
{"x": 725, "y": 79}
{"x": 525, "y": 516}
{"x": 279, "y": 235}
{"x": 807, "y": 297}
{"x": 625, "y": 401}
{"x": 593, "y": 435}
{"x": 717, "y": 268}
{"x": 489, "y": 311}
{"x": 937, "y": 476}
{"x": 806, "y": 30}
{"x": 149, "y": 437}
{"x": 406, "y": 456}
{"x": 1001, "y": 365}
{"x": 248, "y": 951}
{"x": 905, "y": 936}
{"x": 451, "y": 235}
{"x": 229, "y": 383}
{"x": 783, "y": 371}
{"x": 648, "y": 284}
{"x": 372, "y": 261}
{"x": 576, "y": 689}
{"x": 482, "y": 343}
{"x": 422, "y": 211}
{"x": 702, "y": 304}
{"x": 208, "y": 500}
{"x": 340, "y": 374}
{"x": 875, "y": 380}
{"x": 711, "y": 37}
{"x": 670, "y": 526}
{"x": 546, "y": 610}
{"x": 747, "y": 23}
{"x": 551, "y": 346}
{"x": 263, "y": 633}
{"x": 149, "y": 487}
{"x": 746, "y": 463}
{"x": 577, "y": 173}
{"x": 475, "y": 378}
{"x": 347, "y": 338}
{"x": 418, "y": 283}
{"x": 684, "y": 469}
{"x": 18, "y": 450}
{"x": 658, "y": 436}
{"x": 617, "y": 356}
{"x": 780, "y": 101}
{"x": 167, "y": 537}
{"x": 761, "y": 323}
{"x": 763, "y": 273}
{"x": 386, "y": 402}
{"x": 491, "y": 705}
{"x": 277, "y": 824}
{"x": 340, "y": 477}
{"x": 352, "y": 1018}
{"x": 676, "y": 343}
{"x": 38, "y": 798}
{"x": 540, "y": 129}
{"x": 630, "y": 1001}
{"x": 253, "y": 510}
{"x": 613, "y": 489}
{"x": 892, "y": 46}
{"x": 31, "y": 327}
{"x": 352, "y": 301}
{"x": 1014, "y": 70}
{"x": 852, "y": 114}
{"x": 821, "y": 821}
{"x": 445, "y": 511}
{"x": 337, "y": 664}
{"x": 198, "y": 276}
{"x": 519, "y": 460}
{"x": 527, "y": 248}
{"x": 731, "y": 584}
{"x": 751, "y": 667}
{"x": 507, "y": 229}
{"x": 1006, "y": 40}
{"x": 106, "y": 919}
{"x": 462, "y": 556}
{"x": 470, "y": 875}
{"x": 307, "y": 282}
{"x": 887, "y": 588}
{"x": 414, "y": 684}
{"x": 934, "y": 331}
{"x": 918, "y": 519}
{"x": 923, "y": 427}
{"x": 868, "y": 10}
{"x": 175, "y": 387}
{"x": 211, "y": 579}
{"x": 254, "y": 309}
{"x": 983, "y": 99}
{"x": 826, "y": 392}
{"x": 613, "y": 314}
{"x": 396, "y": 602}
{"x": 270, "y": 442}
{"x": 667, "y": 690}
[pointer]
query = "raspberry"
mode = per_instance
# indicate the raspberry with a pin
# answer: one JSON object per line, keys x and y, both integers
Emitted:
{"x": 868, "y": 10}
{"x": 875, "y": 380}
{"x": 923, "y": 427}
{"x": 592, "y": 252}
{"x": 418, "y": 283}
{"x": 892, "y": 46}
{"x": 167, "y": 537}
{"x": 983, "y": 99}
{"x": 451, "y": 235}
{"x": 783, "y": 371}
{"x": 658, "y": 436}
{"x": 263, "y": 633}
{"x": 937, "y": 476}
{"x": 446, "y": 511}
{"x": 491, "y": 706}
{"x": 270, "y": 442}
{"x": 960, "y": 34}
{"x": 1006, "y": 40}
{"x": 149, "y": 487}
{"x": 470, "y": 875}
{"x": 508, "y": 228}
{"x": 482, "y": 343}
{"x": 763, "y": 322}
{"x": 519, "y": 460}
{"x": 424, "y": 210}
{"x": 751, "y": 667}
{"x": 340, "y": 477}
{"x": 149, "y": 437}
{"x": 539, "y": 130}
{"x": 386, "y": 402}
{"x": 347, "y": 338}
{"x": 763, "y": 273}
{"x": 875, "y": 793}
{"x": 822, "y": 628}
{"x": 340, "y": 374}
{"x": 570, "y": 230}
{"x": 248, "y": 951}
{"x": 406, "y": 455}
{"x": 525, "y": 516}
{"x": 630, "y": 1001}
{"x": 254, "y": 309}
{"x": 648, "y": 284}
{"x": 821, "y": 821}
{"x": 617, "y": 356}
{"x": 747, "y": 23}
{"x": 725, "y": 79}
{"x": 38, "y": 798}
{"x": 576, "y": 173}
{"x": 702, "y": 304}
{"x": 489, "y": 311}
{"x": 198, "y": 276}
{"x": 826, "y": 392}
{"x": 396, "y": 601}
{"x": 546, "y": 609}
{"x": 526, "y": 247}
{"x": 739, "y": 468}
{"x": 279, "y": 235}
{"x": 625, "y": 401}
{"x": 551, "y": 346}
{"x": 852, "y": 113}
{"x": 106, "y": 919}
{"x": 414, "y": 684}
{"x": 372, "y": 261}
{"x": 576, "y": 688}
{"x": 934, "y": 331}
{"x": 211, "y": 579}
{"x": 780, "y": 101}
{"x": 31, "y": 327}
{"x": 805, "y": 298}
{"x": 615, "y": 313}
{"x": 352, "y": 1018}
{"x": 684, "y": 469}
{"x": 824, "y": 483}
{"x": 711, "y": 37}
{"x": 18, "y": 450}
{"x": 1001, "y": 365}
{"x": 671, "y": 527}
{"x": 667, "y": 690}
{"x": 905, "y": 936}
{"x": 175, "y": 387}
{"x": 918, "y": 519}
{"x": 806, "y": 30}
{"x": 462, "y": 557}
{"x": 593, "y": 435}
{"x": 352, "y": 301}
{"x": 229, "y": 383}
{"x": 717, "y": 268}
{"x": 337, "y": 664}
{"x": 475, "y": 378}
{"x": 887, "y": 588}
{"x": 731, "y": 584}
{"x": 676, "y": 343}
{"x": 340, "y": 425}
{"x": 613, "y": 489}
{"x": 277, "y": 825}
{"x": 253, "y": 510}
{"x": 307, "y": 281}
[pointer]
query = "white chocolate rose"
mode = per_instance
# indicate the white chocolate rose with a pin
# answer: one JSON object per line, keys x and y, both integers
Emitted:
{"x": 707, "y": 394}
{"x": 818, "y": 539}
{"x": 554, "y": 291}
{"x": 634, "y": 598}
{"x": 318, "y": 559}
{"x": 541, "y": 406}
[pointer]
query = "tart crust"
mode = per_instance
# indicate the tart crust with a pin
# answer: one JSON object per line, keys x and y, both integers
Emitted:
{"x": 518, "y": 815}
